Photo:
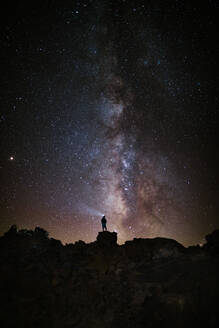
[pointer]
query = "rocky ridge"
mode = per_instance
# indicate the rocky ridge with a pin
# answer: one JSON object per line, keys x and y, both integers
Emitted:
{"x": 142, "y": 283}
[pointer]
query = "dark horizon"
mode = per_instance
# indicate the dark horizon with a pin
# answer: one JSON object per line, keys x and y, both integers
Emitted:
{"x": 23, "y": 231}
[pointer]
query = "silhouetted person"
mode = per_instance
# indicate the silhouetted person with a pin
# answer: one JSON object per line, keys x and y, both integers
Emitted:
{"x": 104, "y": 221}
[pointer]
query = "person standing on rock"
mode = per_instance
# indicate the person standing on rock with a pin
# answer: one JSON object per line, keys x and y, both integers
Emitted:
{"x": 104, "y": 221}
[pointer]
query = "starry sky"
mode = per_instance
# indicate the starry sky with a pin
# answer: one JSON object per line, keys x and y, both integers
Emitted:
{"x": 109, "y": 107}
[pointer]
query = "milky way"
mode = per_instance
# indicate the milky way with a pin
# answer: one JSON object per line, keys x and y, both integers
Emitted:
{"x": 109, "y": 108}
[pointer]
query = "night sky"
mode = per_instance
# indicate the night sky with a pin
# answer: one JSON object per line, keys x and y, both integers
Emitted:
{"x": 109, "y": 107}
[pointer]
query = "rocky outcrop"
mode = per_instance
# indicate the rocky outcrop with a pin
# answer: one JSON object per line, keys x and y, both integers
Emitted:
{"x": 143, "y": 283}
{"x": 107, "y": 239}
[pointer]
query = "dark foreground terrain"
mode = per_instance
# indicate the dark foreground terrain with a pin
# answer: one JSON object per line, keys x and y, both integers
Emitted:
{"x": 143, "y": 283}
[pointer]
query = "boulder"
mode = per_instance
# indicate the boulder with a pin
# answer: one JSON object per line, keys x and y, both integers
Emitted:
{"x": 107, "y": 239}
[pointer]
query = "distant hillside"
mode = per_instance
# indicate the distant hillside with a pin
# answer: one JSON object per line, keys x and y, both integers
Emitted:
{"x": 143, "y": 283}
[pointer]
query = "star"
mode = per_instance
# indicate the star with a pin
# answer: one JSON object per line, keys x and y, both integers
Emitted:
{"x": 115, "y": 112}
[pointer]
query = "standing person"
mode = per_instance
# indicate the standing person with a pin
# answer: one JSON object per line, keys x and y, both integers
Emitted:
{"x": 104, "y": 221}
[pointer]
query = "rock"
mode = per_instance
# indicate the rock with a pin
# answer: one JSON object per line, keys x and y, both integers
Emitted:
{"x": 107, "y": 239}
{"x": 143, "y": 283}
{"x": 152, "y": 249}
